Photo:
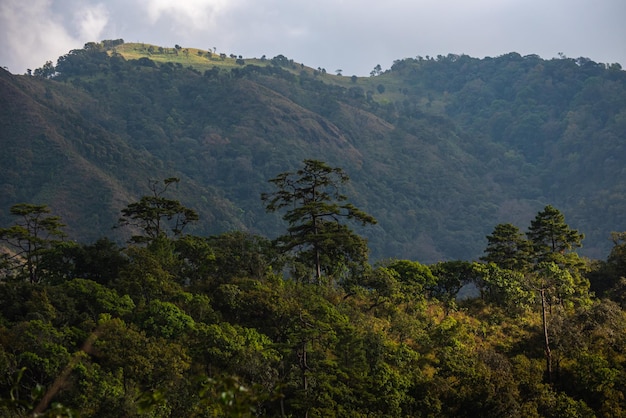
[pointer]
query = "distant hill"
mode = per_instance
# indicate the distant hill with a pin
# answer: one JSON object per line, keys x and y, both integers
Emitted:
{"x": 439, "y": 150}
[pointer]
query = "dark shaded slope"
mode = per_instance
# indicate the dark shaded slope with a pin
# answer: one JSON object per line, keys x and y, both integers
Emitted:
{"x": 556, "y": 130}
{"x": 55, "y": 151}
{"x": 439, "y": 151}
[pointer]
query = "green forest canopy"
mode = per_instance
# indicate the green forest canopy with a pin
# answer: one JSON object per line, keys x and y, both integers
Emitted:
{"x": 452, "y": 157}
{"x": 185, "y": 325}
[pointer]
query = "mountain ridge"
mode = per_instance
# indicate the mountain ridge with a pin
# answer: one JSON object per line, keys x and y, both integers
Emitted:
{"x": 439, "y": 151}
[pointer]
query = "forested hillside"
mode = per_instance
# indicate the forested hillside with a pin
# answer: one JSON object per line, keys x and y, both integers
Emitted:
{"x": 188, "y": 234}
{"x": 180, "y": 325}
{"x": 438, "y": 149}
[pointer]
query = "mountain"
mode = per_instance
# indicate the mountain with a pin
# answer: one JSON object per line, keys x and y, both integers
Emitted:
{"x": 439, "y": 150}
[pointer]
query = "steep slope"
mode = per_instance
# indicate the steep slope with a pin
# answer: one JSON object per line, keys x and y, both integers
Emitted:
{"x": 439, "y": 151}
{"x": 558, "y": 129}
{"x": 54, "y": 154}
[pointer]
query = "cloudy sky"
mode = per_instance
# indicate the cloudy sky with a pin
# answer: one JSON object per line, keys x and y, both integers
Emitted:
{"x": 351, "y": 35}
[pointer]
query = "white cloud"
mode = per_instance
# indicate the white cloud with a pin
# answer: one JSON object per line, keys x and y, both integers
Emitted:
{"x": 32, "y": 34}
{"x": 189, "y": 14}
{"x": 91, "y": 21}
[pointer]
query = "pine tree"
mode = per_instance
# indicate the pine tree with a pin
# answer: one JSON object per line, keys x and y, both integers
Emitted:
{"x": 30, "y": 239}
{"x": 315, "y": 219}
{"x": 507, "y": 248}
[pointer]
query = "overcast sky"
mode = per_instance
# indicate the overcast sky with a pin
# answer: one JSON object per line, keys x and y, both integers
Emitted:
{"x": 351, "y": 35}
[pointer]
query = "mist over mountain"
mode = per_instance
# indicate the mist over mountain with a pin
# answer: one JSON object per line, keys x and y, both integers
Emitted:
{"x": 439, "y": 150}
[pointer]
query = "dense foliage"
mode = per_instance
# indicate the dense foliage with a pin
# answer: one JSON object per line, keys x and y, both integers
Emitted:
{"x": 186, "y": 325}
{"x": 438, "y": 149}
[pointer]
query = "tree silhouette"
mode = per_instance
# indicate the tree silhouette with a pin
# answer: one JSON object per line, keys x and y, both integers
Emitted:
{"x": 155, "y": 214}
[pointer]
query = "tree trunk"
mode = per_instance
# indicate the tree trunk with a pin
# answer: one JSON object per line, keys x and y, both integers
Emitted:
{"x": 318, "y": 262}
{"x": 318, "y": 266}
{"x": 542, "y": 292}
{"x": 304, "y": 367}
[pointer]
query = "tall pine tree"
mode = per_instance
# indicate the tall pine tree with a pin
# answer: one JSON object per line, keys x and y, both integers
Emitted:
{"x": 315, "y": 216}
